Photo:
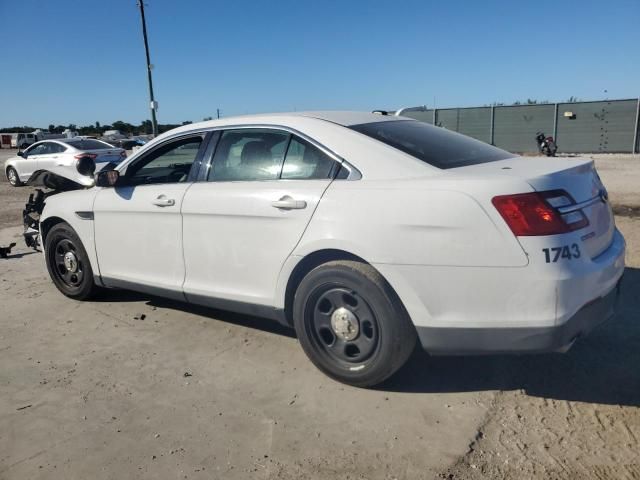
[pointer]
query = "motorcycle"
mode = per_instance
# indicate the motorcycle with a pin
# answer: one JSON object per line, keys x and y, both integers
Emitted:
{"x": 546, "y": 145}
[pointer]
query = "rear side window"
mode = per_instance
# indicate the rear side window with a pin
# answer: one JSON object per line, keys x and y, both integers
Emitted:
{"x": 56, "y": 148}
{"x": 88, "y": 144}
{"x": 304, "y": 161}
{"x": 247, "y": 154}
{"x": 433, "y": 145}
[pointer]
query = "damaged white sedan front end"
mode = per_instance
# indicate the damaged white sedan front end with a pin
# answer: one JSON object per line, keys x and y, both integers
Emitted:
{"x": 51, "y": 182}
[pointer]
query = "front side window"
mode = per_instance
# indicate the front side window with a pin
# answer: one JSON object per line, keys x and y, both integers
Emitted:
{"x": 433, "y": 145}
{"x": 169, "y": 163}
{"x": 39, "y": 149}
{"x": 304, "y": 161}
{"x": 249, "y": 154}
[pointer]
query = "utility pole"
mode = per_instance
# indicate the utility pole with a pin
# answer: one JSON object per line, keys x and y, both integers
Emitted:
{"x": 218, "y": 112}
{"x": 152, "y": 103}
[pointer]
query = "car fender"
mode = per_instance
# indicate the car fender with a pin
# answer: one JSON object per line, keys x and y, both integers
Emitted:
{"x": 11, "y": 162}
{"x": 76, "y": 209}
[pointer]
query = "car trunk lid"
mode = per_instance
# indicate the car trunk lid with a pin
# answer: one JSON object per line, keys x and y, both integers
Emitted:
{"x": 576, "y": 176}
{"x": 113, "y": 155}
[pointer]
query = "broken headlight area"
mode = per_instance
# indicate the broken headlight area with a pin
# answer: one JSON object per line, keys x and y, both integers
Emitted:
{"x": 54, "y": 183}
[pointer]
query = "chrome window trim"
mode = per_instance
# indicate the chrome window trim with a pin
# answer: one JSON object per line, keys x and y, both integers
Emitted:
{"x": 122, "y": 166}
{"x": 354, "y": 173}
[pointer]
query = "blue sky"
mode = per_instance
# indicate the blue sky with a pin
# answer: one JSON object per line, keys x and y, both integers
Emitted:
{"x": 72, "y": 61}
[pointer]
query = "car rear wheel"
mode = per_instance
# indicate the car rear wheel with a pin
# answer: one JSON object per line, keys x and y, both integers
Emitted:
{"x": 68, "y": 263}
{"x": 351, "y": 324}
{"x": 13, "y": 178}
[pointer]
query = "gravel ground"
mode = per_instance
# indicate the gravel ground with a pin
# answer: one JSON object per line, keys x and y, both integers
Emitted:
{"x": 96, "y": 390}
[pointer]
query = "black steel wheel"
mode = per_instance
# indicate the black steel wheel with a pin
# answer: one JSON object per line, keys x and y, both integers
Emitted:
{"x": 13, "y": 178}
{"x": 342, "y": 324}
{"x": 351, "y": 324}
{"x": 68, "y": 263}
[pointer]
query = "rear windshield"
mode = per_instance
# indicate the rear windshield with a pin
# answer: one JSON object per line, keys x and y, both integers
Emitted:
{"x": 433, "y": 145}
{"x": 88, "y": 144}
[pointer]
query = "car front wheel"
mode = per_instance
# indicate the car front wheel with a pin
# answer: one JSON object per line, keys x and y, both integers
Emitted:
{"x": 13, "y": 178}
{"x": 351, "y": 324}
{"x": 68, "y": 263}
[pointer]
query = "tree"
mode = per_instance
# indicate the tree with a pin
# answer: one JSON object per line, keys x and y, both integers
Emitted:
{"x": 573, "y": 99}
{"x": 51, "y": 127}
{"x": 123, "y": 126}
{"x": 206, "y": 119}
{"x": 97, "y": 125}
{"x": 146, "y": 126}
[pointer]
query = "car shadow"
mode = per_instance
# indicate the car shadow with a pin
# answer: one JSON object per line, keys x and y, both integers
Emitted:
{"x": 13, "y": 256}
{"x": 248, "y": 321}
{"x": 602, "y": 368}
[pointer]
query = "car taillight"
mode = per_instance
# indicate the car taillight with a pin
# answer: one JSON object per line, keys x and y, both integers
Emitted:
{"x": 92, "y": 156}
{"x": 537, "y": 213}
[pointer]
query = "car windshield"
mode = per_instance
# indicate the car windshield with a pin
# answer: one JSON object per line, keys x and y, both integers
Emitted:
{"x": 433, "y": 145}
{"x": 88, "y": 144}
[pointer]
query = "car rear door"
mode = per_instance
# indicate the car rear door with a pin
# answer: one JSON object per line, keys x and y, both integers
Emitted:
{"x": 245, "y": 219}
{"x": 138, "y": 224}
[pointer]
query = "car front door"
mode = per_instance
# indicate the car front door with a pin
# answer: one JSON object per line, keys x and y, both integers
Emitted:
{"x": 138, "y": 224}
{"x": 243, "y": 222}
{"x": 29, "y": 162}
{"x": 51, "y": 156}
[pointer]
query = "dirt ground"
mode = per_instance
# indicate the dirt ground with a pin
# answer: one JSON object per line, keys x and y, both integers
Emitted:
{"x": 131, "y": 386}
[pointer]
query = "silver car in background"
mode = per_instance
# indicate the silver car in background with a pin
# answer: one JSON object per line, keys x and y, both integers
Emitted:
{"x": 62, "y": 153}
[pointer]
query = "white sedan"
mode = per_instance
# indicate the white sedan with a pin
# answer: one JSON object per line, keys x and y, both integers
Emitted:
{"x": 59, "y": 155}
{"x": 364, "y": 232}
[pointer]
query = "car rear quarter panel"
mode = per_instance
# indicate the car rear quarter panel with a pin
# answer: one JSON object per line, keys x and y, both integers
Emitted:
{"x": 412, "y": 222}
{"x": 425, "y": 236}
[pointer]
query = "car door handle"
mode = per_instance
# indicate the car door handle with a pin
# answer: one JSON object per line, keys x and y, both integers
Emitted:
{"x": 163, "y": 201}
{"x": 288, "y": 203}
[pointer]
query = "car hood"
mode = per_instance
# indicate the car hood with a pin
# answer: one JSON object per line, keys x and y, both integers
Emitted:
{"x": 61, "y": 179}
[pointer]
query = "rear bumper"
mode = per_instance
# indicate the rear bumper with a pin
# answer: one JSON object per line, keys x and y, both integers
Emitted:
{"x": 492, "y": 340}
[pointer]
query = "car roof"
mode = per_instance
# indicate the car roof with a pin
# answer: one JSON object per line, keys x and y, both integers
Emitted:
{"x": 339, "y": 117}
{"x": 346, "y": 118}
{"x": 71, "y": 141}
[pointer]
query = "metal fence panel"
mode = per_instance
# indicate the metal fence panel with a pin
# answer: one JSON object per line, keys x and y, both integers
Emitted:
{"x": 426, "y": 116}
{"x": 596, "y": 126}
{"x": 602, "y": 126}
{"x": 515, "y": 127}
{"x": 474, "y": 122}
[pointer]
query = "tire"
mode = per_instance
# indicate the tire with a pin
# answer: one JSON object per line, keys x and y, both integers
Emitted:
{"x": 351, "y": 324}
{"x": 13, "y": 178}
{"x": 68, "y": 263}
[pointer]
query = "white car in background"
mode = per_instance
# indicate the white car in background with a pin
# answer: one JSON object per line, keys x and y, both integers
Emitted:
{"x": 366, "y": 233}
{"x": 59, "y": 155}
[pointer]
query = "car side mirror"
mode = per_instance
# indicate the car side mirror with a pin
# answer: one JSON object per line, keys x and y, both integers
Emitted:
{"x": 21, "y": 154}
{"x": 107, "y": 178}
